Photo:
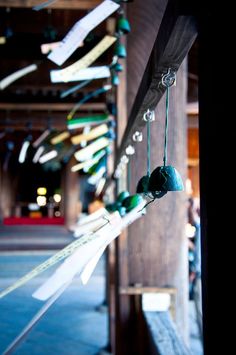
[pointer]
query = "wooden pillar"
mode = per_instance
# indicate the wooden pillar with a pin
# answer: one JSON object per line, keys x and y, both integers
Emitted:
{"x": 217, "y": 190}
{"x": 154, "y": 253}
{"x": 7, "y": 193}
{"x": 71, "y": 194}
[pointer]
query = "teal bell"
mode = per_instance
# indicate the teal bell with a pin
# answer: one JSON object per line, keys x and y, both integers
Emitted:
{"x": 122, "y": 211}
{"x": 142, "y": 187}
{"x": 118, "y": 67}
{"x": 120, "y": 50}
{"x": 123, "y": 25}
{"x": 164, "y": 179}
{"x": 115, "y": 79}
{"x": 122, "y": 195}
{"x": 132, "y": 201}
{"x": 111, "y": 207}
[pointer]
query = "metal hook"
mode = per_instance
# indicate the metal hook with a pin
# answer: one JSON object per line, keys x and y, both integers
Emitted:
{"x": 169, "y": 78}
{"x": 149, "y": 116}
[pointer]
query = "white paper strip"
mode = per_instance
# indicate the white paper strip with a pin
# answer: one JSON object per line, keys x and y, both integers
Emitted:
{"x": 94, "y": 179}
{"x": 80, "y": 30}
{"x": 36, "y": 318}
{"x": 47, "y": 47}
{"x": 17, "y": 75}
{"x": 91, "y": 134}
{"x": 62, "y": 254}
{"x": 88, "y": 227}
{"x": 130, "y": 218}
{"x": 41, "y": 138}
{"x": 101, "y": 212}
{"x": 38, "y": 154}
{"x": 48, "y": 156}
{"x": 77, "y": 264}
{"x": 77, "y": 261}
{"x": 99, "y": 72}
{"x": 87, "y": 152}
{"x": 89, "y": 163}
{"x": 90, "y": 267}
{"x": 73, "y": 69}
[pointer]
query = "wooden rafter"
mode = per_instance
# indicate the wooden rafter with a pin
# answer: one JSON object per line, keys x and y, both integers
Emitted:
{"x": 60, "y": 4}
{"x": 100, "y": 106}
{"x": 175, "y": 38}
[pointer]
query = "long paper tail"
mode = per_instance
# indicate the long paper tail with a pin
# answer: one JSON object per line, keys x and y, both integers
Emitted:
{"x": 62, "y": 254}
{"x": 83, "y": 261}
{"x": 77, "y": 261}
{"x": 128, "y": 219}
{"x": 34, "y": 321}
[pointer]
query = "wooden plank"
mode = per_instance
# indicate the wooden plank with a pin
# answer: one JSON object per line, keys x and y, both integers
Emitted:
{"x": 163, "y": 335}
{"x": 60, "y": 4}
{"x": 175, "y": 37}
{"x": 192, "y": 108}
{"x": 131, "y": 290}
{"x": 100, "y": 106}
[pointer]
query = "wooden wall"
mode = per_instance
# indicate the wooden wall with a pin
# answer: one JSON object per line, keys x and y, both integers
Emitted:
{"x": 154, "y": 251}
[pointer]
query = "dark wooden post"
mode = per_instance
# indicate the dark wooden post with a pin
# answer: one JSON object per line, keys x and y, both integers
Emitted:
{"x": 71, "y": 194}
{"x": 154, "y": 253}
{"x": 217, "y": 188}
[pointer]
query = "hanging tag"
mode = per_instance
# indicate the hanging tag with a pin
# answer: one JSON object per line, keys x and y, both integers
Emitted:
{"x": 67, "y": 73}
{"x": 80, "y": 30}
{"x": 84, "y": 260}
{"x": 100, "y": 72}
{"x": 80, "y": 122}
{"x": 89, "y": 163}
{"x": 101, "y": 212}
{"x": 48, "y": 47}
{"x": 77, "y": 261}
{"x": 17, "y": 75}
{"x": 94, "y": 133}
{"x": 87, "y": 152}
{"x": 62, "y": 254}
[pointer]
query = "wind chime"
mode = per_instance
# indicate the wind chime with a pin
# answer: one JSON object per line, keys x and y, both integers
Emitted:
{"x": 164, "y": 178}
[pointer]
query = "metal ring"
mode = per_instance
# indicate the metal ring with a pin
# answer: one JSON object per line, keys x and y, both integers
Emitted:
{"x": 149, "y": 116}
{"x": 169, "y": 78}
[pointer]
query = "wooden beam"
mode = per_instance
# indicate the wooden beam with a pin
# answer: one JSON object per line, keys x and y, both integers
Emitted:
{"x": 163, "y": 335}
{"x": 134, "y": 290}
{"x": 60, "y": 4}
{"x": 100, "y": 106}
{"x": 192, "y": 109}
{"x": 175, "y": 38}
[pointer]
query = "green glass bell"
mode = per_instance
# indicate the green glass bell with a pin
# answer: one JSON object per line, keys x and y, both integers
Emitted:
{"x": 115, "y": 80}
{"x": 120, "y": 50}
{"x": 111, "y": 207}
{"x": 118, "y": 67}
{"x": 142, "y": 187}
{"x": 164, "y": 179}
{"x": 123, "y": 25}
{"x": 132, "y": 201}
{"x": 122, "y": 195}
{"x": 121, "y": 210}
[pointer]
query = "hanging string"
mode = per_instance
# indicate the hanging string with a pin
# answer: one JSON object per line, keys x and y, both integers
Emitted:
{"x": 86, "y": 98}
{"x": 148, "y": 148}
{"x": 128, "y": 175}
{"x": 166, "y": 126}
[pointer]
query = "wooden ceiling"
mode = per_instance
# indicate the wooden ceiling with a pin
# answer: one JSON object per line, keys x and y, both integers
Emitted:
{"x": 34, "y": 98}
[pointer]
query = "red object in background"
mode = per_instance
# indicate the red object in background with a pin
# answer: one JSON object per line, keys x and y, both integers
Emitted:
{"x": 10, "y": 221}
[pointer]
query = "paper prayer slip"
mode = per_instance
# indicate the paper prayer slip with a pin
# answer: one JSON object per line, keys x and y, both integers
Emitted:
{"x": 79, "y": 263}
{"x": 80, "y": 30}
{"x": 17, "y": 75}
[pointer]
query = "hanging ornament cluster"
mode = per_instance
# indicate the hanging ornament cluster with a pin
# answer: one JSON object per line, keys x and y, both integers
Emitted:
{"x": 165, "y": 178}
